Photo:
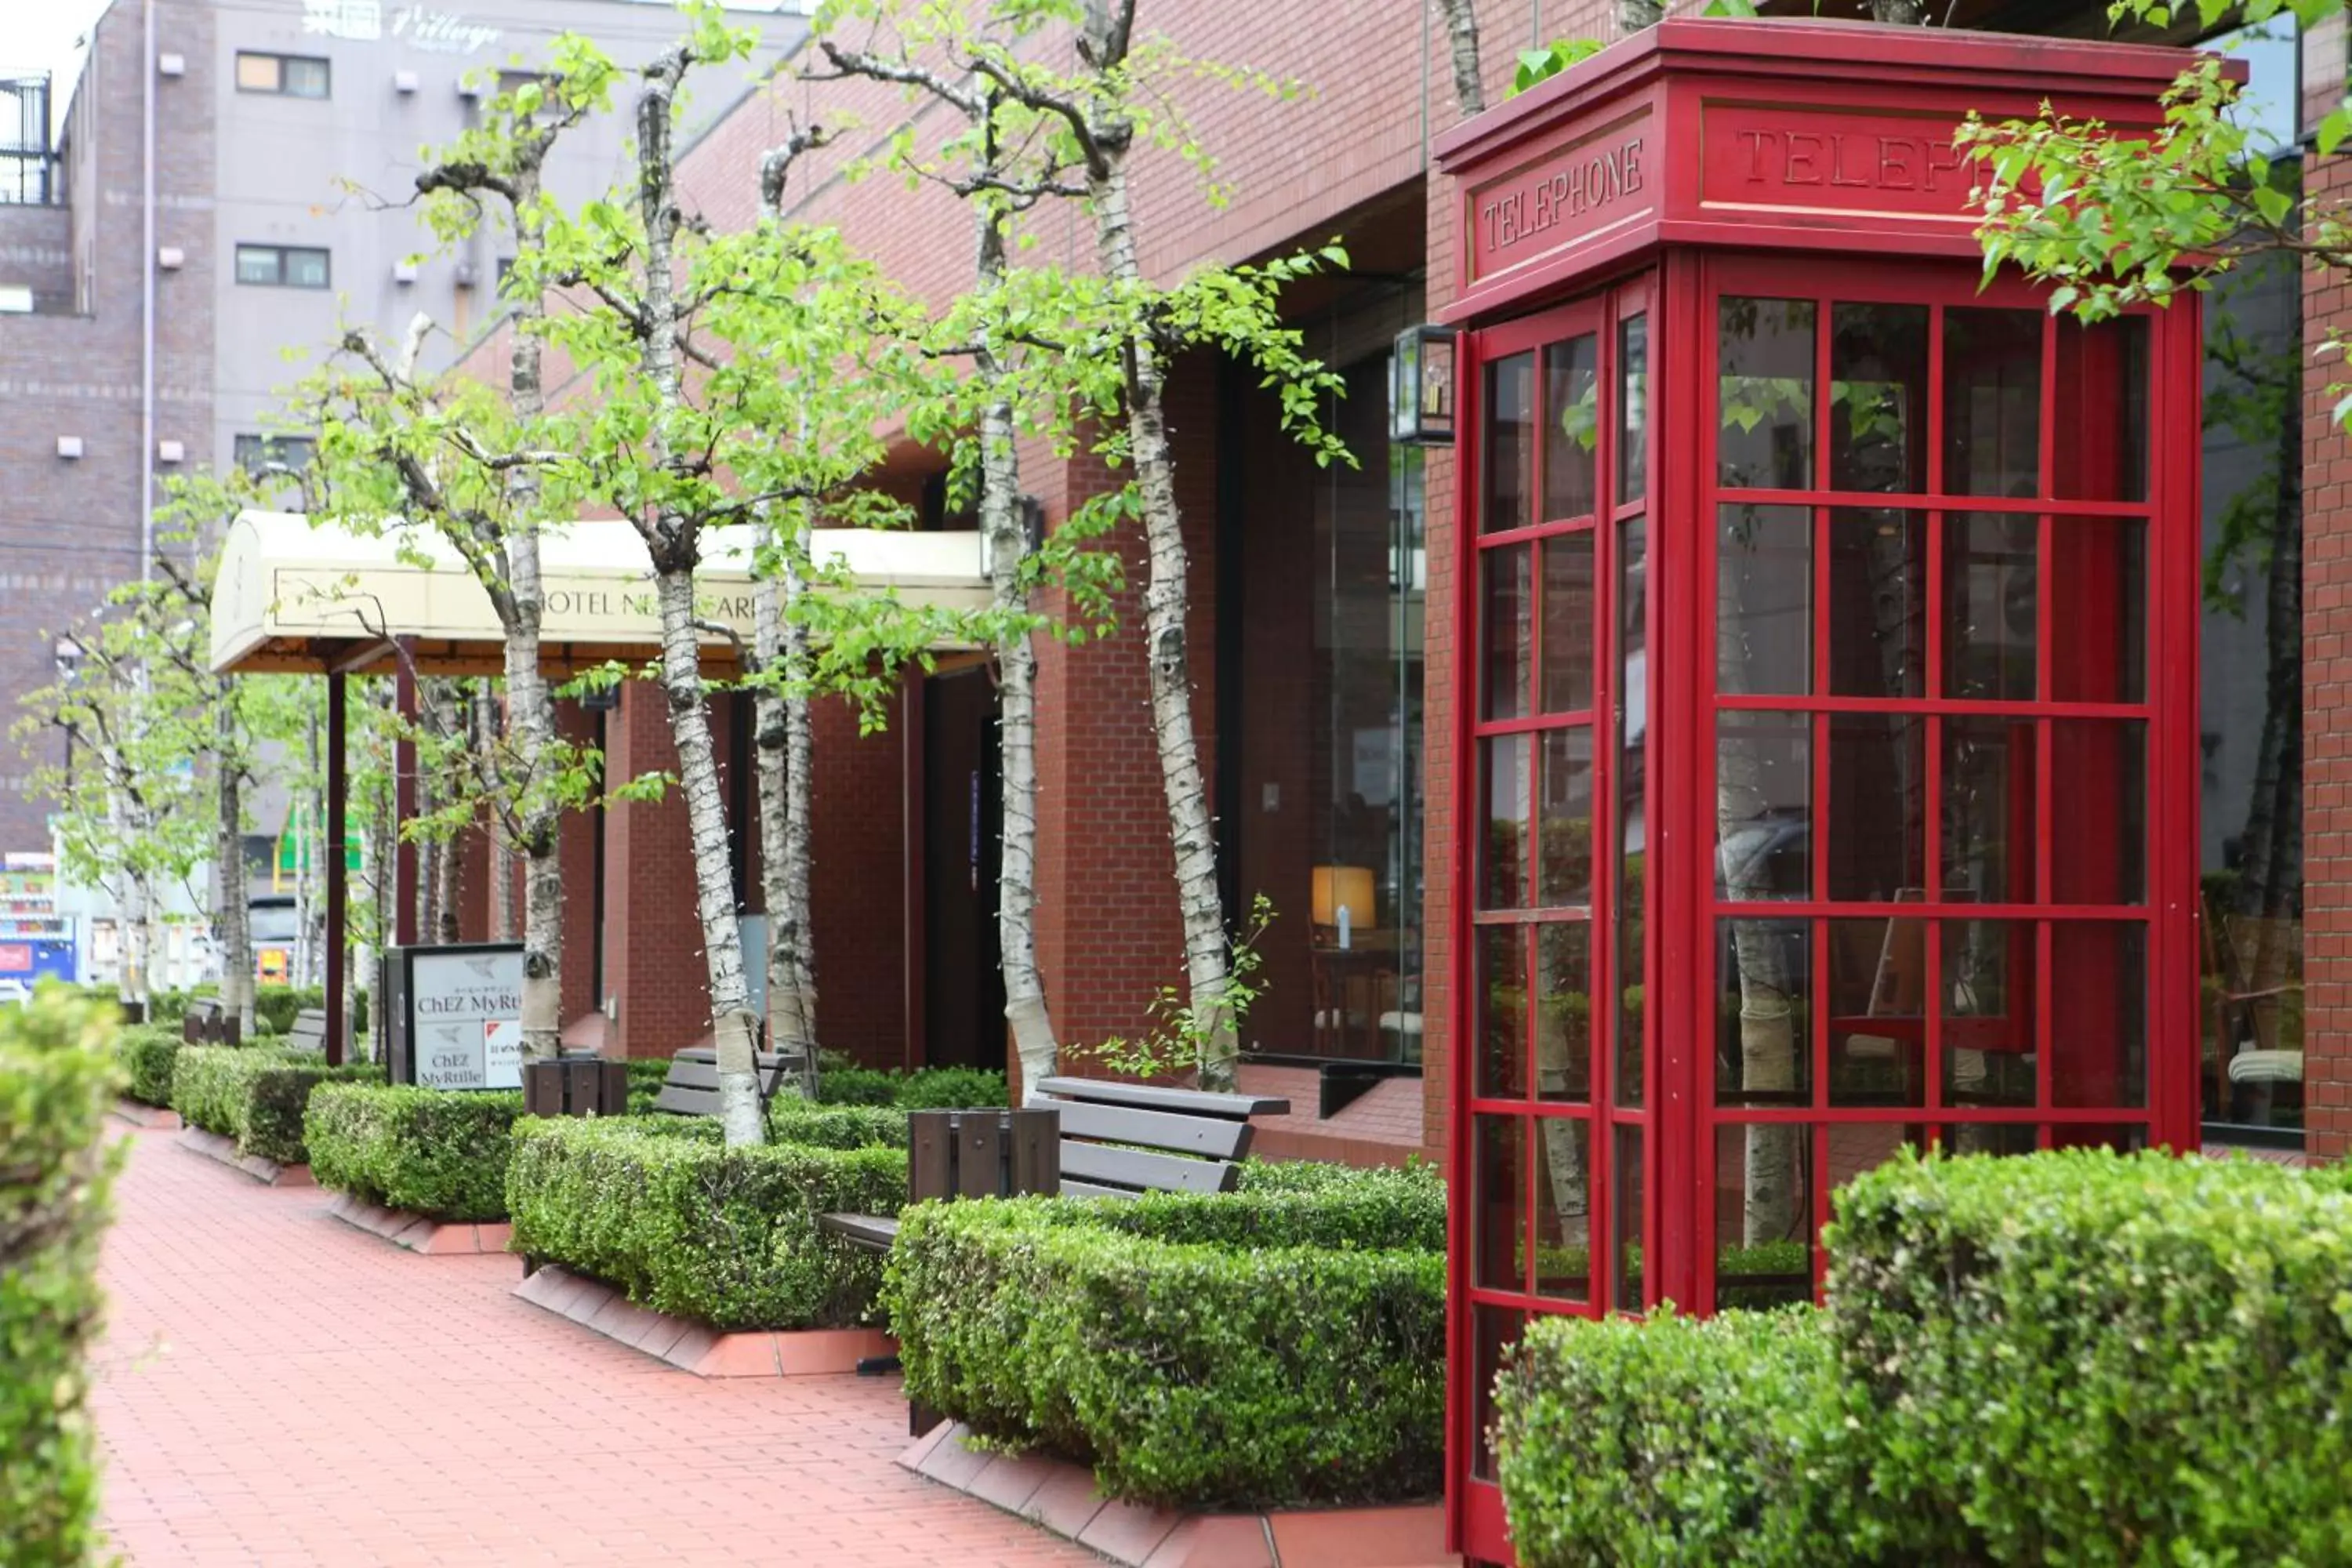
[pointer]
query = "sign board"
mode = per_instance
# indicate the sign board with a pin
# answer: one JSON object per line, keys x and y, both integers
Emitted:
{"x": 1570, "y": 195}
{"x": 460, "y": 1021}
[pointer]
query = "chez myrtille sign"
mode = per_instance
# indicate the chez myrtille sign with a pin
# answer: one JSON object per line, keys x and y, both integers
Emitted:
{"x": 457, "y": 1016}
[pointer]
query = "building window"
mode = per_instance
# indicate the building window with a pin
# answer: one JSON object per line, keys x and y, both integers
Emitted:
{"x": 1328, "y": 798}
{"x": 256, "y": 453}
{"x": 290, "y": 75}
{"x": 2251, "y": 652}
{"x": 281, "y": 267}
{"x": 15, "y": 299}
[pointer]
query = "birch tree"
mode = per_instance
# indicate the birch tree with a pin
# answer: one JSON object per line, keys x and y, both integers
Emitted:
{"x": 812, "y": 352}
{"x": 1091, "y": 121}
{"x": 440, "y": 453}
{"x": 649, "y": 448}
{"x": 141, "y": 698}
{"x": 1000, "y": 327}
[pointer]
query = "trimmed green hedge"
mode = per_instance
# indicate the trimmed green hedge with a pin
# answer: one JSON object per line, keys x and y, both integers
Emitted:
{"x": 1672, "y": 1441}
{"x": 147, "y": 1054}
{"x": 58, "y": 1078}
{"x": 2071, "y": 1357}
{"x": 659, "y": 1207}
{"x": 440, "y": 1152}
{"x": 255, "y": 1094}
{"x": 841, "y": 1081}
{"x": 1278, "y": 1346}
{"x": 2090, "y": 1358}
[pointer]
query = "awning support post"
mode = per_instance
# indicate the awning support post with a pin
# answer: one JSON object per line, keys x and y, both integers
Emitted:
{"x": 403, "y": 802}
{"x": 338, "y": 872}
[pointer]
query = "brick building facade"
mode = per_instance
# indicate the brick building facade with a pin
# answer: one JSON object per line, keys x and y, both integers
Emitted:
{"x": 1347, "y": 158}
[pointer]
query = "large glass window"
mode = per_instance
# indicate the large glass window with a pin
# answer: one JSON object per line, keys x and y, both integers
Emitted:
{"x": 1325, "y": 817}
{"x": 2251, "y": 649}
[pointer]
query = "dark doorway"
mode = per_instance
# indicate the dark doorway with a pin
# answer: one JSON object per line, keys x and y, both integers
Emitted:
{"x": 963, "y": 990}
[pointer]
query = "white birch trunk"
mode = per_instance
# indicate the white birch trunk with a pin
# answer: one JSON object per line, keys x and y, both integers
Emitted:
{"x": 231, "y": 918}
{"x": 1461, "y": 39}
{"x": 1007, "y": 542}
{"x": 786, "y": 755}
{"x": 1166, "y": 598}
{"x": 714, "y": 883}
{"x": 499, "y": 859}
{"x": 673, "y": 542}
{"x": 531, "y": 705}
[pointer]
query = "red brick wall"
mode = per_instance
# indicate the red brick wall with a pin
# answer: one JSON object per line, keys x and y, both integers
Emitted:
{"x": 858, "y": 889}
{"x": 654, "y": 962}
{"x": 576, "y": 853}
{"x": 2326, "y": 716}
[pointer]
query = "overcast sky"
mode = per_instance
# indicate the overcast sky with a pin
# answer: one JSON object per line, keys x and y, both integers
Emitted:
{"x": 39, "y": 35}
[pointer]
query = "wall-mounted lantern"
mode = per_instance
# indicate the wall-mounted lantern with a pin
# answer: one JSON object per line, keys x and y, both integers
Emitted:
{"x": 1421, "y": 387}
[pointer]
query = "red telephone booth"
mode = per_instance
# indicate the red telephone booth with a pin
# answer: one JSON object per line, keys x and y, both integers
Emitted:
{"x": 1826, "y": 750}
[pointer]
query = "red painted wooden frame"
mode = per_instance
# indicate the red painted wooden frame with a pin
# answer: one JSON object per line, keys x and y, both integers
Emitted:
{"x": 1675, "y": 168}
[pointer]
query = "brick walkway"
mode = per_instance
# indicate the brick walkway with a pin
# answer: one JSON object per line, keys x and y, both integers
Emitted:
{"x": 277, "y": 1387}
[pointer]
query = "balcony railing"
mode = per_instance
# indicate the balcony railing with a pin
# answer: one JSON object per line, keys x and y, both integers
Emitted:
{"x": 30, "y": 174}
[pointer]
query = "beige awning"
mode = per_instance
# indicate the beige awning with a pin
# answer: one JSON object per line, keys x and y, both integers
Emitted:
{"x": 295, "y": 597}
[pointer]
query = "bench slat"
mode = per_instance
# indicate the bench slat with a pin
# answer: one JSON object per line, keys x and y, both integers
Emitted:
{"x": 1144, "y": 1097}
{"x": 1212, "y": 1137}
{"x": 1071, "y": 1189}
{"x": 871, "y": 1231}
{"x": 769, "y": 1061}
{"x": 1136, "y": 1168}
{"x": 685, "y": 1101}
{"x": 692, "y": 1075}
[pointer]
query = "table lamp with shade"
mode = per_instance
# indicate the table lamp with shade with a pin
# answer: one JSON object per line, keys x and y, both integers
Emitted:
{"x": 1343, "y": 899}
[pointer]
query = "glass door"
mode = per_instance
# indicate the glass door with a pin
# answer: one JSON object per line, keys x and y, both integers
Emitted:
{"x": 1557, "y": 612}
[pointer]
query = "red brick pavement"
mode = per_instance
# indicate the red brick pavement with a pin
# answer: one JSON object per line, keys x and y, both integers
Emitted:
{"x": 277, "y": 1387}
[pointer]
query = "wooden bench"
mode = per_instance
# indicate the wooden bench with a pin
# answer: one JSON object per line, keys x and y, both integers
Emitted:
{"x": 981, "y": 1153}
{"x": 207, "y": 1023}
{"x": 310, "y": 1031}
{"x": 986, "y": 1152}
{"x": 1123, "y": 1140}
{"x": 692, "y": 1087}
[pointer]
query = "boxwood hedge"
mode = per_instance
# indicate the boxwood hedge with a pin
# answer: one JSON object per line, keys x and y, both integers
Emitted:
{"x": 58, "y": 1076}
{"x": 440, "y": 1152}
{"x": 255, "y": 1094}
{"x": 2089, "y": 1358}
{"x": 841, "y": 1082}
{"x": 1675, "y": 1440}
{"x": 659, "y": 1207}
{"x": 1276, "y": 1346}
{"x": 2072, "y": 1357}
{"x": 147, "y": 1054}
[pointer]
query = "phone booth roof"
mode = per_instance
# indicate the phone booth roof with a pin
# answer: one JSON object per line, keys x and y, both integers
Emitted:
{"x": 1773, "y": 135}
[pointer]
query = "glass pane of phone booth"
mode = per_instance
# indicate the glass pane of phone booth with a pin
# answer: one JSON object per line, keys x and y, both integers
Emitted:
{"x": 1926, "y": 744}
{"x": 1560, "y": 768}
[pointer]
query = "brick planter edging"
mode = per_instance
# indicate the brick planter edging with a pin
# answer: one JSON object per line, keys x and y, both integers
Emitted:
{"x": 215, "y": 1146}
{"x": 696, "y": 1347}
{"x": 147, "y": 1117}
{"x": 421, "y": 1233}
{"x": 1060, "y": 1496}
